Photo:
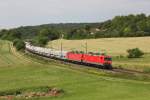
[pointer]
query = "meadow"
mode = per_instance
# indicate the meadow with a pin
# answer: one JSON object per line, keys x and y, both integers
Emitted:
{"x": 21, "y": 71}
{"x": 116, "y": 47}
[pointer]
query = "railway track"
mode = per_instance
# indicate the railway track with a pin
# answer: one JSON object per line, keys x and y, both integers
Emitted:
{"x": 77, "y": 65}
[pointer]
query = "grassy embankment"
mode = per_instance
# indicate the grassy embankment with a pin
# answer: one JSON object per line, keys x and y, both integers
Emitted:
{"x": 116, "y": 47}
{"x": 18, "y": 71}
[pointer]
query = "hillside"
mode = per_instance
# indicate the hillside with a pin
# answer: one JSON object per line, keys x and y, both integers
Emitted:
{"x": 28, "y": 32}
{"x": 18, "y": 71}
{"x": 119, "y": 26}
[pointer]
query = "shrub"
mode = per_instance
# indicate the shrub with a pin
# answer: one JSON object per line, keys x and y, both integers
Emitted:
{"x": 19, "y": 44}
{"x": 135, "y": 53}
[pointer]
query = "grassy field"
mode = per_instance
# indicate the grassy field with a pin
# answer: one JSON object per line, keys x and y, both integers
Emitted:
{"x": 19, "y": 71}
{"x": 112, "y": 46}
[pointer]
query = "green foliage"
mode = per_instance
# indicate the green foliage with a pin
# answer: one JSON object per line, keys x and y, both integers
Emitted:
{"x": 134, "y": 53}
{"x": 10, "y": 34}
{"x": 77, "y": 34}
{"x": 9, "y": 92}
{"x": 41, "y": 37}
{"x": 50, "y": 34}
{"x": 44, "y": 36}
{"x": 40, "y": 40}
{"x": 19, "y": 44}
{"x": 87, "y": 27}
{"x": 120, "y": 26}
{"x": 23, "y": 90}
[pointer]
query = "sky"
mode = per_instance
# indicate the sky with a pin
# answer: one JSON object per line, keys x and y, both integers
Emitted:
{"x": 15, "y": 13}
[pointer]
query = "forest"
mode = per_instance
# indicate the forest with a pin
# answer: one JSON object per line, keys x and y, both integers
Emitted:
{"x": 120, "y": 26}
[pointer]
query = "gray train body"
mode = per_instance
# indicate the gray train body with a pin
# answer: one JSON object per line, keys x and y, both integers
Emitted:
{"x": 46, "y": 51}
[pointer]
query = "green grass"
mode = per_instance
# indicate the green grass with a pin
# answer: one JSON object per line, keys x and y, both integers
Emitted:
{"x": 114, "y": 47}
{"x": 139, "y": 64}
{"x": 18, "y": 71}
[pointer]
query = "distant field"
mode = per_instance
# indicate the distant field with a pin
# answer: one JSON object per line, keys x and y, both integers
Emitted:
{"x": 112, "y": 46}
{"x": 19, "y": 71}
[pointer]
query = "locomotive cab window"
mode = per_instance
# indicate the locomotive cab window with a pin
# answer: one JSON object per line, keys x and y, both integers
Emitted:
{"x": 108, "y": 59}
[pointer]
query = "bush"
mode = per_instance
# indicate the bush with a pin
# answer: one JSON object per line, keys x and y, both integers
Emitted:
{"x": 146, "y": 70}
{"x": 19, "y": 44}
{"x": 135, "y": 53}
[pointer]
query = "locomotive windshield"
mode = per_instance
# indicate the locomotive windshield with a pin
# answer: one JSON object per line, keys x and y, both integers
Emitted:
{"x": 108, "y": 59}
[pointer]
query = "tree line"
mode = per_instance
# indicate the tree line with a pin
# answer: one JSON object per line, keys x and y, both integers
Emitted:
{"x": 119, "y": 26}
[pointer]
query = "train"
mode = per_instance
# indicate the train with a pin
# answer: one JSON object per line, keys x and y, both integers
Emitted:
{"x": 100, "y": 60}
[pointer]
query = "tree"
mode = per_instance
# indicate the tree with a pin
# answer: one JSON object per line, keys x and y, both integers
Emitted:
{"x": 44, "y": 32}
{"x": 42, "y": 40}
{"x": 51, "y": 34}
{"x": 120, "y": 26}
{"x": 134, "y": 53}
{"x": 87, "y": 27}
{"x": 44, "y": 35}
{"x": 19, "y": 44}
{"x": 127, "y": 30}
{"x": 142, "y": 25}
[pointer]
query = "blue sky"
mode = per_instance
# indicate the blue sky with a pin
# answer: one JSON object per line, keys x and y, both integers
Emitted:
{"x": 14, "y": 13}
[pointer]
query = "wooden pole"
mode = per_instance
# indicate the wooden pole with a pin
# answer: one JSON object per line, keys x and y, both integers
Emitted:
{"x": 86, "y": 48}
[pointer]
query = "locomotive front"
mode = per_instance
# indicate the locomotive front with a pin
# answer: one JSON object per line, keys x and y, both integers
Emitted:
{"x": 108, "y": 62}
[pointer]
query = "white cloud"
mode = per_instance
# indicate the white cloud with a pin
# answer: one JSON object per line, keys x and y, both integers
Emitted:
{"x": 31, "y": 12}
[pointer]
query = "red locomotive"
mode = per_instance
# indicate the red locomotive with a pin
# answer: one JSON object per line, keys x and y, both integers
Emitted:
{"x": 102, "y": 60}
